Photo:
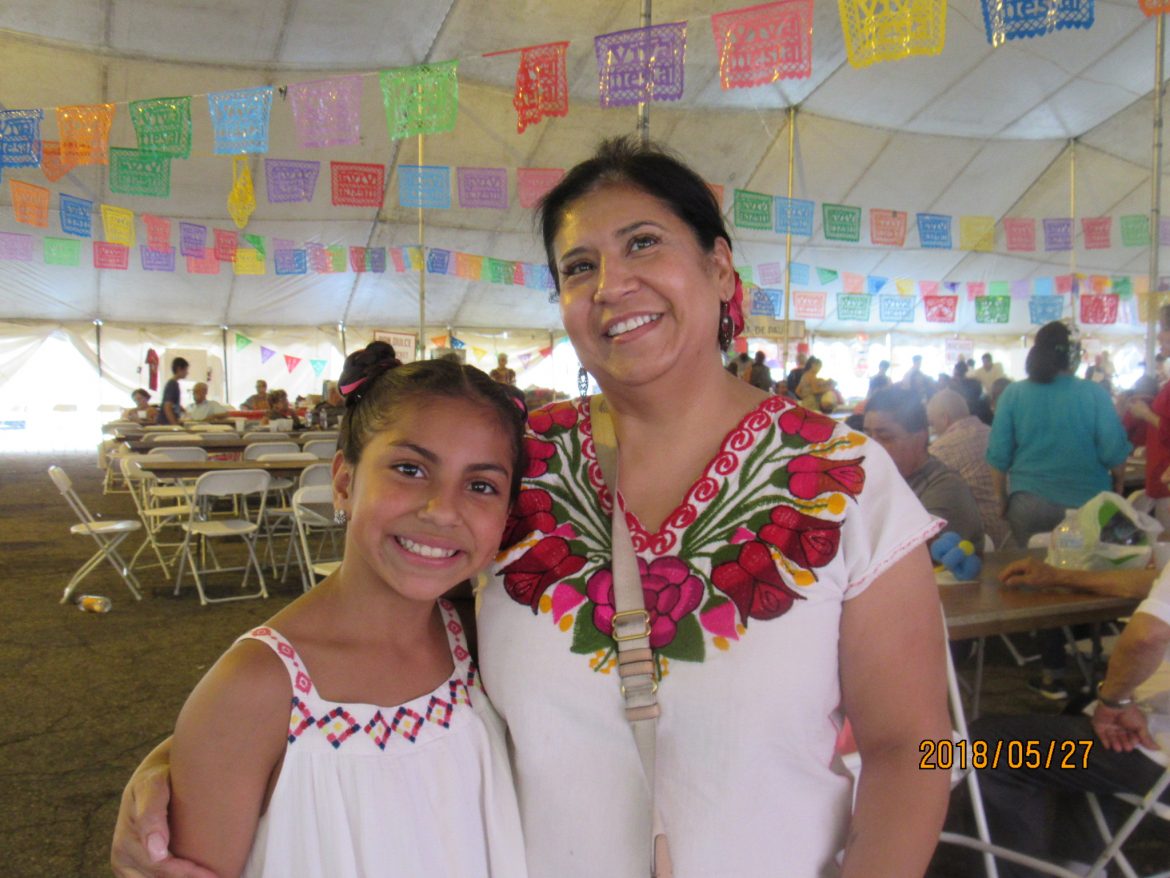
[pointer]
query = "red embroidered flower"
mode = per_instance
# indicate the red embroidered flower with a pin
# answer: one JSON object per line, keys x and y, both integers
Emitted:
{"x": 808, "y": 425}
{"x": 549, "y": 561}
{"x": 669, "y": 591}
{"x": 753, "y": 583}
{"x": 531, "y": 512}
{"x": 805, "y": 539}
{"x": 538, "y": 454}
{"x": 809, "y": 476}
{"x": 560, "y": 414}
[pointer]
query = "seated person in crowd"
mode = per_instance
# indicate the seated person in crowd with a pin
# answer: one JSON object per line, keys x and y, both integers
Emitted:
{"x": 1128, "y": 724}
{"x": 503, "y": 373}
{"x": 142, "y": 411}
{"x": 171, "y": 411}
{"x": 960, "y": 441}
{"x": 760, "y": 375}
{"x": 816, "y": 393}
{"x": 205, "y": 409}
{"x": 896, "y": 419}
{"x": 971, "y": 390}
{"x": 881, "y": 380}
{"x": 279, "y": 409}
{"x": 258, "y": 401}
{"x": 331, "y": 408}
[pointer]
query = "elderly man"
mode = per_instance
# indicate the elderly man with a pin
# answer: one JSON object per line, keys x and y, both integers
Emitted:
{"x": 329, "y": 411}
{"x": 896, "y": 419}
{"x": 1128, "y": 727}
{"x": 205, "y": 409}
{"x": 960, "y": 441}
{"x": 258, "y": 401}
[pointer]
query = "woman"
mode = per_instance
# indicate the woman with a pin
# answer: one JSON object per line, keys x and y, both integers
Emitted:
{"x": 783, "y": 595}
{"x": 815, "y": 393}
{"x": 1056, "y": 442}
{"x": 142, "y": 411}
{"x": 280, "y": 410}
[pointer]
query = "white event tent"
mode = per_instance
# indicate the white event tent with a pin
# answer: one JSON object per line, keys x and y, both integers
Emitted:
{"x": 1050, "y": 127}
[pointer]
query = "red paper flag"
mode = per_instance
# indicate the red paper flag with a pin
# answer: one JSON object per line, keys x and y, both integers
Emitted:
{"x": 226, "y": 242}
{"x": 291, "y": 362}
{"x": 1020, "y": 233}
{"x": 541, "y": 85}
{"x": 107, "y": 255}
{"x": 1099, "y": 309}
{"x": 940, "y": 309}
{"x": 158, "y": 232}
{"x": 760, "y": 44}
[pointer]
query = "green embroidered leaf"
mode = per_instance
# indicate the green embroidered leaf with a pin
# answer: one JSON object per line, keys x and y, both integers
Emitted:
{"x": 688, "y": 643}
{"x": 586, "y": 638}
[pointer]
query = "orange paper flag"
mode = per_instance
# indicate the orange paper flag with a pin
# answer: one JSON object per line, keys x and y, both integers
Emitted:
{"x": 30, "y": 203}
{"x": 85, "y": 133}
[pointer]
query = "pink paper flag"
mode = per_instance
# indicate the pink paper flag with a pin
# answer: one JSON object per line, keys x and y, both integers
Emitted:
{"x": 226, "y": 242}
{"x": 158, "y": 232}
{"x": 398, "y": 259}
{"x": 327, "y": 112}
{"x": 357, "y": 258}
{"x": 928, "y": 287}
{"x": 975, "y": 289}
{"x": 533, "y": 183}
{"x": 808, "y": 306}
{"x": 940, "y": 309}
{"x": 770, "y": 273}
{"x": 1064, "y": 284}
{"x": 760, "y": 44}
{"x": 16, "y": 246}
{"x": 852, "y": 283}
{"x": 1099, "y": 309}
{"x": 1098, "y": 232}
{"x": 887, "y": 227}
{"x": 114, "y": 256}
{"x": 208, "y": 263}
{"x": 291, "y": 362}
{"x": 1020, "y": 233}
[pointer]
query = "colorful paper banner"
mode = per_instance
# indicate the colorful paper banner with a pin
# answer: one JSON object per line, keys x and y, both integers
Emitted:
{"x": 421, "y": 100}
{"x": 20, "y": 138}
{"x": 853, "y": 307}
{"x": 241, "y": 200}
{"x": 192, "y": 239}
{"x": 249, "y": 261}
{"x": 1020, "y": 233}
{"x": 541, "y": 84}
{"x": 376, "y": 259}
{"x": 752, "y": 210}
{"x": 934, "y": 231}
{"x": 30, "y": 203}
{"x": 291, "y": 363}
{"x": 53, "y": 166}
{"x": 896, "y": 309}
{"x": 84, "y": 133}
{"x": 290, "y": 180}
{"x": 110, "y": 255}
{"x": 1058, "y": 234}
{"x": 1014, "y": 21}
{"x": 226, "y": 244}
{"x": 482, "y": 187}
{"x": 118, "y": 225}
{"x": 427, "y": 186}
{"x": 327, "y": 112}
{"x": 992, "y": 309}
{"x": 1045, "y": 309}
{"x": 887, "y": 32}
{"x": 1097, "y": 232}
{"x": 158, "y": 232}
{"x": 291, "y": 261}
{"x": 62, "y": 251}
{"x": 808, "y": 306}
{"x": 1099, "y": 309}
{"x": 940, "y": 309}
{"x": 794, "y": 215}
{"x": 239, "y": 119}
{"x": 772, "y": 273}
{"x": 163, "y": 126}
{"x": 1135, "y": 230}
{"x": 643, "y": 64}
{"x": 16, "y": 247}
{"x": 841, "y": 222}
{"x": 887, "y": 227}
{"x": 438, "y": 261}
{"x": 208, "y": 263}
{"x": 533, "y": 183}
{"x": 977, "y": 233}
{"x": 761, "y": 44}
{"x": 156, "y": 260}
{"x": 357, "y": 184}
{"x": 133, "y": 172}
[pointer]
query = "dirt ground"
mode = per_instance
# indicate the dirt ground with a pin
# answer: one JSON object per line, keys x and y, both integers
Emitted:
{"x": 87, "y": 696}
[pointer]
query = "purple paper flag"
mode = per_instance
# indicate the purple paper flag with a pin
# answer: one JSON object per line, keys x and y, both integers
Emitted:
{"x": 1164, "y": 232}
{"x": 15, "y": 246}
{"x": 1021, "y": 289}
{"x": 641, "y": 65}
{"x": 376, "y": 259}
{"x": 327, "y": 112}
{"x": 1058, "y": 232}
{"x": 266, "y": 354}
{"x": 770, "y": 273}
{"x": 290, "y": 179}
{"x": 192, "y": 239}
{"x": 157, "y": 260}
{"x": 483, "y": 187}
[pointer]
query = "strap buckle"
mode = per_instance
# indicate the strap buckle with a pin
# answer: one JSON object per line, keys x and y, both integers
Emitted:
{"x": 630, "y": 614}
{"x": 636, "y": 689}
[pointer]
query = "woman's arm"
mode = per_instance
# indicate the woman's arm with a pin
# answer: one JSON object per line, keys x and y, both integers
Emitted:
{"x": 893, "y": 684}
{"x": 1000, "y": 486}
{"x": 229, "y": 739}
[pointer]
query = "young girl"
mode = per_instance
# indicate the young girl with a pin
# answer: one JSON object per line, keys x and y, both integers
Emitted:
{"x": 349, "y": 735}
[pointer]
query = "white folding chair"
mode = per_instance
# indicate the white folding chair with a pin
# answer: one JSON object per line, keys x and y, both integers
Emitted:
{"x": 249, "y": 488}
{"x": 316, "y": 474}
{"x": 168, "y": 438}
{"x": 313, "y": 435}
{"x": 323, "y": 449}
{"x": 153, "y": 515}
{"x": 264, "y": 436}
{"x": 278, "y": 517}
{"x": 215, "y": 428}
{"x": 312, "y": 522}
{"x": 1143, "y": 806}
{"x": 107, "y": 534}
{"x": 179, "y": 452}
{"x": 253, "y": 450}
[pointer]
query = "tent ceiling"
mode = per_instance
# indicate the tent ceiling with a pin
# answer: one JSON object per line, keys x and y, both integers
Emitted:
{"x": 974, "y": 130}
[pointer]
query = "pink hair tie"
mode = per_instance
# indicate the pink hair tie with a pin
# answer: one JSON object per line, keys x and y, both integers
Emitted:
{"x": 347, "y": 389}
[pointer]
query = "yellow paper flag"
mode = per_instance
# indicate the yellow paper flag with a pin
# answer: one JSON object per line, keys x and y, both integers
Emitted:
{"x": 977, "y": 233}
{"x": 242, "y": 199}
{"x": 30, "y": 203}
{"x": 249, "y": 261}
{"x": 119, "y": 225}
{"x": 414, "y": 254}
{"x": 904, "y": 286}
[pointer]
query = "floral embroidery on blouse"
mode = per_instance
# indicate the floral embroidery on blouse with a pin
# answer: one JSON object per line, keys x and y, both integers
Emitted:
{"x": 747, "y": 539}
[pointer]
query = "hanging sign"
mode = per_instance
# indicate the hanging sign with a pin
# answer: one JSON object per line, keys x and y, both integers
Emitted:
{"x": 109, "y": 255}
{"x": 163, "y": 126}
{"x": 30, "y": 203}
{"x": 16, "y": 247}
{"x": 20, "y": 138}
{"x": 542, "y": 88}
{"x": 992, "y": 309}
{"x": 841, "y": 222}
{"x": 887, "y": 227}
{"x": 940, "y": 309}
{"x": 1020, "y": 233}
{"x": 853, "y": 307}
{"x": 192, "y": 239}
{"x": 62, "y": 251}
{"x": 84, "y": 133}
{"x": 794, "y": 215}
{"x": 1099, "y": 309}
{"x": 421, "y": 100}
{"x": 533, "y": 183}
{"x": 977, "y": 233}
{"x": 1014, "y": 21}
{"x": 133, "y": 172}
{"x": 289, "y": 180}
{"x": 327, "y": 112}
{"x": 752, "y": 210}
{"x": 1058, "y": 234}
{"x": 761, "y": 44}
{"x": 158, "y": 232}
{"x": 896, "y": 309}
{"x": 1097, "y": 232}
{"x": 118, "y": 224}
{"x": 887, "y": 32}
{"x": 157, "y": 260}
{"x": 239, "y": 119}
{"x": 357, "y": 184}
{"x": 1135, "y": 230}
{"x": 427, "y": 186}
{"x": 934, "y": 231}
{"x": 641, "y": 65}
{"x": 226, "y": 244}
{"x": 291, "y": 261}
{"x": 482, "y": 187}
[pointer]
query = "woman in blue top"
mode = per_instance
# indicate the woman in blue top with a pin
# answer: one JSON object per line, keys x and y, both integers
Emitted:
{"x": 1056, "y": 442}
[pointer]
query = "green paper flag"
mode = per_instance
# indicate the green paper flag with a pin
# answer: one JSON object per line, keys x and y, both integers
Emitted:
{"x": 340, "y": 258}
{"x": 1135, "y": 230}
{"x": 752, "y": 210}
{"x": 62, "y": 251}
{"x": 242, "y": 341}
{"x": 421, "y": 100}
{"x": 163, "y": 126}
{"x": 133, "y": 172}
{"x": 999, "y": 288}
{"x": 745, "y": 273}
{"x": 1122, "y": 286}
{"x": 826, "y": 276}
{"x": 256, "y": 242}
{"x": 841, "y": 222}
{"x": 992, "y": 309}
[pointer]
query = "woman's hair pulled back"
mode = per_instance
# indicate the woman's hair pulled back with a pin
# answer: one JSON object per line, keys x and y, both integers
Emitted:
{"x": 1051, "y": 353}
{"x": 376, "y": 385}
{"x": 650, "y": 168}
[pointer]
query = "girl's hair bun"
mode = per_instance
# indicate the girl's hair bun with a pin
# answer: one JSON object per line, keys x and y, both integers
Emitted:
{"x": 363, "y": 367}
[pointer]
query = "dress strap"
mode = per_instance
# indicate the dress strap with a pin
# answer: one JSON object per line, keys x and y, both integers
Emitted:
{"x": 302, "y": 683}
{"x": 457, "y": 640}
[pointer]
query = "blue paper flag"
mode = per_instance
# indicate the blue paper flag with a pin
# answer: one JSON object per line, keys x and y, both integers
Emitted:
{"x": 1044, "y": 286}
{"x": 798, "y": 273}
{"x": 896, "y": 309}
{"x": 291, "y": 261}
{"x": 20, "y": 138}
{"x": 765, "y": 303}
{"x": 934, "y": 230}
{"x": 240, "y": 119}
{"x": 376, "y": 259}
{"x": 1045, "y": 309}
{"x": 874, "y": 284}
{"x": 795, "y": 216}
{"x": 427, "y": 186}
{"x": 1014, "y": 21}
{"x": 438, "y": 261}
{"x": 76, "y": 215}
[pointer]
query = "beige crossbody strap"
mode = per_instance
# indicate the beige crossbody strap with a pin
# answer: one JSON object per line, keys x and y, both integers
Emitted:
{"x": 631, "y": 631}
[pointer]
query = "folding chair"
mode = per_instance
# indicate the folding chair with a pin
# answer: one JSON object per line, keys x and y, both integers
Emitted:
{"x": 316, "y": 474}
{"x": 1142, "y": 806}
{"x": 253, "y": 450}
{"x": 107, "y": 534}
{"x": 279, "y": 512}
{"x": 311, "y": 521}
{"x": 239, "y": 485}
{"x": 314, "y": 435}
{"x": 154, "y": 516}
{"x": 323, "y": 449}
{"x": 264, "y": 436}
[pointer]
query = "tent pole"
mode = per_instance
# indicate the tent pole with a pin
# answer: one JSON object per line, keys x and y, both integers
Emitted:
{"x": 223, "y": 344}
{"x": 422, "y": 267}
{"x": 788, "y": 238}
{"x": 1155, "y": 287}
{"x": 1072, "y": 251}
{"x": 643, "y": 106}
{"x": 97, "y": 331}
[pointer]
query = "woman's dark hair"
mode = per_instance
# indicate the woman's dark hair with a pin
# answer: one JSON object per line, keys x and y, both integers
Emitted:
{"x": 375, "y": 384}
{"x": 143, "y": 392}
{"x": 1051, "y": 353}
{"x": 625, "y": 161}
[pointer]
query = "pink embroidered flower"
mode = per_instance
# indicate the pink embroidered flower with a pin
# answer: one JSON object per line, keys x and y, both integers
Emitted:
{"x": 561, "y": 414}
{"x": 669, "y": 590}
{"x": 808, "y": 425}
{"x": 806, "y": 539}
{"x": 530, "y": 575}
{"x": 531, "y": 512}
{"x": 754, "y": 585}
{"x": 810, "y": 476}
{"x": 720, "y": 620}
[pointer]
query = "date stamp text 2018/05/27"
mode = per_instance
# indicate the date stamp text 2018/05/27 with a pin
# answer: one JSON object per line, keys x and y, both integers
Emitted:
{"x": 947, "y": 754}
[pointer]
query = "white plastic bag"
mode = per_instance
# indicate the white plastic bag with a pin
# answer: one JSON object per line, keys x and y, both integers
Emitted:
{"x": 1117, "y": 536}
